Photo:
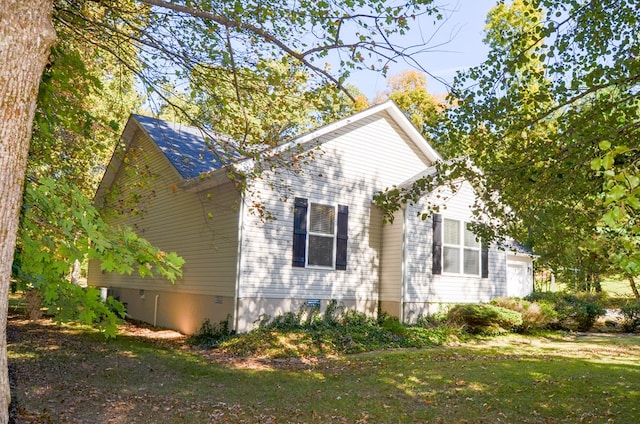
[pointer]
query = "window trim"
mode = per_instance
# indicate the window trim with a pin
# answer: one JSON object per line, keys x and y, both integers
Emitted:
{"x": 461, "y": 247}
{"x": 311, "y": 233}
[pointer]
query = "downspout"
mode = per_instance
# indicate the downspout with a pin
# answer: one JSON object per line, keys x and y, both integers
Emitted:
{"x": 155, "y": 310}
{"x": 241, "y": 211}
{"x": 403, "y": 271}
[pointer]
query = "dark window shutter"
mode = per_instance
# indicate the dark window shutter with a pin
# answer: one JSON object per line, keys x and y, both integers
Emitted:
{"x": 484, "y": 261}
{"x": 341, "y": 243}
{"x": 300, "y": 231}
{"x": 436, "y": 268}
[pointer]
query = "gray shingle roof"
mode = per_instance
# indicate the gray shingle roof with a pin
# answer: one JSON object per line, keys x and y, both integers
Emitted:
{"x": 186, "y": 147}
{"x": 517, "y": 247}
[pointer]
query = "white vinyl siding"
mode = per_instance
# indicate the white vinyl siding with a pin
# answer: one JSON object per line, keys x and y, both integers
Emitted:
{"x": 391, "y": 262}
{"x": 424, "y": 287}
{"x": 356, "y": 162}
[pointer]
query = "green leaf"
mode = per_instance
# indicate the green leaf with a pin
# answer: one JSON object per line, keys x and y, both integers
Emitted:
{"x": 604, "y": 145}
{"x": 633, "y": 202}
{"x": 608, "y": 161}
{"x": 616, "y": 193}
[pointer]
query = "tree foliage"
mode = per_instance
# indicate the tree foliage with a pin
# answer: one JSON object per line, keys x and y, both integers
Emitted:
{"x": 83, "y": 100}
{"x": 60, "y": 225}
{"x": 408, "y": 90}
{"x": 227, "y": 49}
{"x": 549, "y": 122}
{"x": 263, "y": 105}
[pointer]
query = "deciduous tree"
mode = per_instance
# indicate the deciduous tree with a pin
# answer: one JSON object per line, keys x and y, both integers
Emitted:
{"x": 557, "y": 97}
{"x": 26, "y": 34}
{"x": 409, "y": 91}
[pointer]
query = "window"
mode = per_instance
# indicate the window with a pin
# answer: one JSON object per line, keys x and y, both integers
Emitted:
{"x": 460, "y": 248}
{"x": 456, "y": 249}
{"x": 319, "y": 235}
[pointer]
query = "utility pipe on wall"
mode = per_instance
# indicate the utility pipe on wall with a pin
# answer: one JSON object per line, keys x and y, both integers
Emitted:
{"x": 155, "y": 310}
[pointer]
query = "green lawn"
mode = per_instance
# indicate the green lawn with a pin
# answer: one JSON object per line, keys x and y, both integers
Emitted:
{"x": 70, "y": 374}
{"x": 617, "y": 287}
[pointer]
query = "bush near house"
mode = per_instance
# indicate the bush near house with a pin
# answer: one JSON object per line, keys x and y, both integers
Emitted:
{"x": 535, "y": 315}
{"x": 486, "y": 319}
{"x": 576, "y": 312}
{"x": 336, "y": 330}
{"x": 211, "y": 334}
{"x": 309, "y": 332}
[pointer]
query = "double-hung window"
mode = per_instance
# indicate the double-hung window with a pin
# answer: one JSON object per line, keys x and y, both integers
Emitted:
{"x": 322, "y": 235}
{"x": 456, "y": 249}
{"x": 460, "y": 248}
{"x": 319, "y": 235}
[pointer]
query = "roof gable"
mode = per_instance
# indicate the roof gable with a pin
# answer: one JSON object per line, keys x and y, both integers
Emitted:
{"x": 390, "y": 108}
{"x": 185, "y": 148}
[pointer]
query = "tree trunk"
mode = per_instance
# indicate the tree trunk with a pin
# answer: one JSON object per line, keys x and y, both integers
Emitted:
{"x": 597, "y": 284}
{"x": 634, "y": 288}
{"x": 26, "y": 36}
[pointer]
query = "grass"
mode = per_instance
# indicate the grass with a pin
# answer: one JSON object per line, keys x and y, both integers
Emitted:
{"x": 617, "y": 288}
{"x": 71, "y": 374}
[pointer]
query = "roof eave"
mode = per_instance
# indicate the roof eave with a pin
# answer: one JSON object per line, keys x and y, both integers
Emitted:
{"x": 211, "y": 179}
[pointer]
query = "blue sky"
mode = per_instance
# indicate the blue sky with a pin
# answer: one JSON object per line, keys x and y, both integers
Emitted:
{"x": 464, "y": 26}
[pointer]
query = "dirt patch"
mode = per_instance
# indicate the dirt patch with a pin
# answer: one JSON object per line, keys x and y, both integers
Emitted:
{"x": 256, "y": 363}
{"x": 155, "y": 335}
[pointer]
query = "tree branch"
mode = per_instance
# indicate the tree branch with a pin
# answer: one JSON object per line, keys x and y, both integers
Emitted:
{"x": 265, "y": 35}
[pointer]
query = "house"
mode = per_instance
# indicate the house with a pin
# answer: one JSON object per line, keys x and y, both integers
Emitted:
{"x": 323, "y": 240}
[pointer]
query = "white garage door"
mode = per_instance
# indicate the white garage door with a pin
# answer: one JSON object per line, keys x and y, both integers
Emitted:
{"x": 518, "y": 283}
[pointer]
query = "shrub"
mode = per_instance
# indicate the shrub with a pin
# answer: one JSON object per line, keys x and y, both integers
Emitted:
{"x": 333, "y": 312}
{"x": 286, "y": 321}
{"x": 480, "y": 318}
{"x": 307, "y": 316}
{"x": 586, "y": 314}
{"x": 433, "y": 320}
{"x": 394, "y": 326}
{"x": 535, "y": 315}
{"x": 354, "y": 318}
{"x": 631, "y": 317}
{"x": 575, "y": 311}
{"x": 210, "y": 335}
{"x": 336, "y": 330}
